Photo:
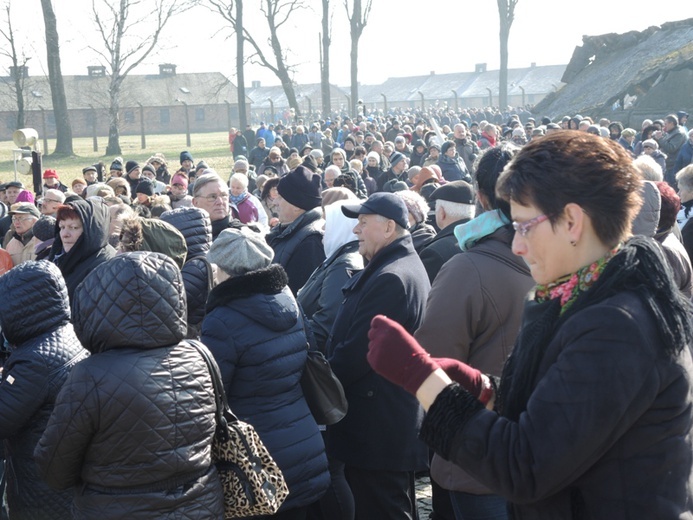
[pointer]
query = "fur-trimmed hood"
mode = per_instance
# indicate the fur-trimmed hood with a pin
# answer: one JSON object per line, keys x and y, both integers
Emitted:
{"x": 257, "y": 295}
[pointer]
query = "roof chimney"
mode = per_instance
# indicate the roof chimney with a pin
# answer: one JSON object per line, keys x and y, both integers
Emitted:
{"x": 534, "y": 64}
{"x": 20, "y": 71}
{"x": 167, "y": 69}
{"x": 96, "y": 71}
{"x": 480, "y": 67}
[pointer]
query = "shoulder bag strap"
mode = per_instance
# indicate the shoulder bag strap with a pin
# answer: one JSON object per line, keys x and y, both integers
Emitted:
{"x": 222, "y": 409}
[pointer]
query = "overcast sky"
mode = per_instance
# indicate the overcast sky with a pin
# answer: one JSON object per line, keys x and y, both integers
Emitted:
{"x": 402, "y": 38}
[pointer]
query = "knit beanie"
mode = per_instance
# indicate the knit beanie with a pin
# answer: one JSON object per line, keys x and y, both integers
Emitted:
{"x": 44, "y": 228}
{"x": 145, "y": 187}
{"x": 117, "y": 164}
{"x": 179, "y": 179}
{"x": 446, "y": 146}
{"x": 301, "y": 188}
{"x": 131, "y": 165}
{"x": 186, "y": 156}
{"x": 395, "y": 158}
{"x": 239, "y": 251}
{"x": 149, "y": 168}
{"x": 25, "y": 196}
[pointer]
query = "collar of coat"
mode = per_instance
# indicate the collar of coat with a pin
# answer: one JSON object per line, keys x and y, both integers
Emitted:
{"x": 263, "y": 281}
{"x": 398, "y": 249}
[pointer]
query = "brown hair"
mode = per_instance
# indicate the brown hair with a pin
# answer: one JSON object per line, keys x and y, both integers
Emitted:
{"x": 576, "y": 167}
{"x": 65, "y": 212}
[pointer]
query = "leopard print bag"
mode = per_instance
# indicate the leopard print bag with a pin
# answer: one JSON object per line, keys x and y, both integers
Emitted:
{"x": 252, "y": 482}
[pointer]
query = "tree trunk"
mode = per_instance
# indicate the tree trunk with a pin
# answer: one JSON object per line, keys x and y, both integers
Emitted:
{"x": 503, "y": 72}
{"x": 19, "y": 87}
{"x": 325, "y": 66}
{"x": 63, "y": 144}
{"x": 240, "y": 72}
{"x": 354, "y": 73}
{"x": 283, "y": 74}
{"x": 113, "y": 147}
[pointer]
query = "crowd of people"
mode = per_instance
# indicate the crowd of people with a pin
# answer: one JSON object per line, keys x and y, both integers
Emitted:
{"x": 506, "y": 302}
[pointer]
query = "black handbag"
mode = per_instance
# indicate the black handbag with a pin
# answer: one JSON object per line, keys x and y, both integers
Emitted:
{"x": 252, "y": 482}
{"x": 322, "y": 390}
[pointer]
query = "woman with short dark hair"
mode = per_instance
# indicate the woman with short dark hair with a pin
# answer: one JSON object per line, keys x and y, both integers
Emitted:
{"x": 592, "y": 415}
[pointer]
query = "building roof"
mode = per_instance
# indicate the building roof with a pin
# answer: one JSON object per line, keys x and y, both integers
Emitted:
{"x": 608, "y": 68}
{"x": 84, "y": 92}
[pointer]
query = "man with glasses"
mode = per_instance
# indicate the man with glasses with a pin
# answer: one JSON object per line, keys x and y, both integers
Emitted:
{"x": 20, "y": 242}
{"x": 212, "y": 195}
{"x": 52, "y": 199}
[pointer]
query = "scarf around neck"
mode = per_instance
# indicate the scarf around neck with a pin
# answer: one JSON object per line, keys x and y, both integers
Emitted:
{"x": 638, "y": 267}
{"x": 469, "y": 233}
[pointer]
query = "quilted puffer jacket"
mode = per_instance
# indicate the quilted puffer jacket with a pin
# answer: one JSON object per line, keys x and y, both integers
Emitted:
{"x": 254, "y": 331}
{"x": 195, "y": 225}
{"x": 35, "y": 319}
{"x": 90, "y": 250}
{"x": 133, "y": 425}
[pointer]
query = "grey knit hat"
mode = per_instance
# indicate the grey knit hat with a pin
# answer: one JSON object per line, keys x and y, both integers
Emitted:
{"x": 238, "y": 252}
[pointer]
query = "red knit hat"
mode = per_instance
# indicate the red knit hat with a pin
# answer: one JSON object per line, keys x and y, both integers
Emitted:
{"x": 50, "y": 174}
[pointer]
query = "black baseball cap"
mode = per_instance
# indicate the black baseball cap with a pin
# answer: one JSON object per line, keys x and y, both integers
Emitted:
{"x": 386, "y": 205}
{"x": 460, "y": 192}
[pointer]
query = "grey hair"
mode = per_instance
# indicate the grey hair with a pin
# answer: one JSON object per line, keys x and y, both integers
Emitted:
{"x": 648, "y": 168}
{"x": 208, "y": 176}
{"x": 684, "y": 177}
{"x": 456, "y": 210}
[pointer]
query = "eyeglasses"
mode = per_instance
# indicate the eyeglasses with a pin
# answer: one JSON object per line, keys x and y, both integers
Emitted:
{"x": 523, "y": 227}
{"x": 21, "y": 219}
{"x": 214, "y": 197}
{"x": 648, "y": 147}
{"x": 51, "y": 200}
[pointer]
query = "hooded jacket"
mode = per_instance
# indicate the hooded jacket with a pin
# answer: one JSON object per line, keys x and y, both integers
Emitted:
{"x": 90, "y": 250}
{"x": 321, "y": 295}
{"x": 196, "y": 228}
{"x": 255, "y": 331}
{"x": 134, "y": 423}
{"x": 35, "y": 320}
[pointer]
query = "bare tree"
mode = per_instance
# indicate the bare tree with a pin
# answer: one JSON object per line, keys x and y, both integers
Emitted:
{"x": 506, "y": 13}
{"x": 63, "y": 142}
{"x": 277, "y": 13}
{"x": 326, "y": 39}
{"x": 358, "y": 19}
{"x": 128, "y": 38}
{"x": 235, "y": 18}
{"x": 19, "y": 65}
{"x": 240, "y": 71}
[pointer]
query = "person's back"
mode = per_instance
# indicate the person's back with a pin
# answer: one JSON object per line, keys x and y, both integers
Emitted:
{"x": 254, "y": 329}
{"x": 43, "y": 352}
{"x": 196, "y": 228}
{"x": 141, "y": 384}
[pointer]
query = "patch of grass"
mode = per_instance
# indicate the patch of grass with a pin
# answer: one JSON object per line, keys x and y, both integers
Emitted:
{"x": 213, "y": 148}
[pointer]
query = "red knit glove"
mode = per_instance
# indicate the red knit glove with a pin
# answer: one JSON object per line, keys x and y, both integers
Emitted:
{"x": 397, "y": 356}
{"x": 469, "y": 378}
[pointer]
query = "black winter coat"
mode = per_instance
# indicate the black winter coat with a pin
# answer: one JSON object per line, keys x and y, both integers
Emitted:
{"x": 35, "y": 320}
{"x": 321, "y": 296}
{"x": 90, "y": 250}
{"x": 134, "y": 423}
{"x": 196, "y": 228}
{"x": 606, "y": 430}
{"x": 254, "y": 329}
{"x": 440, "y": 249}
{"x": 380, "y": 429}
{"x": 298, "y": 247}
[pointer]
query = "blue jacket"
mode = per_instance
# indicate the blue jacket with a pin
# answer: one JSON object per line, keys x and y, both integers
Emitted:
{"x": 454, "y": 169}
{"x": 254, "y": 330}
